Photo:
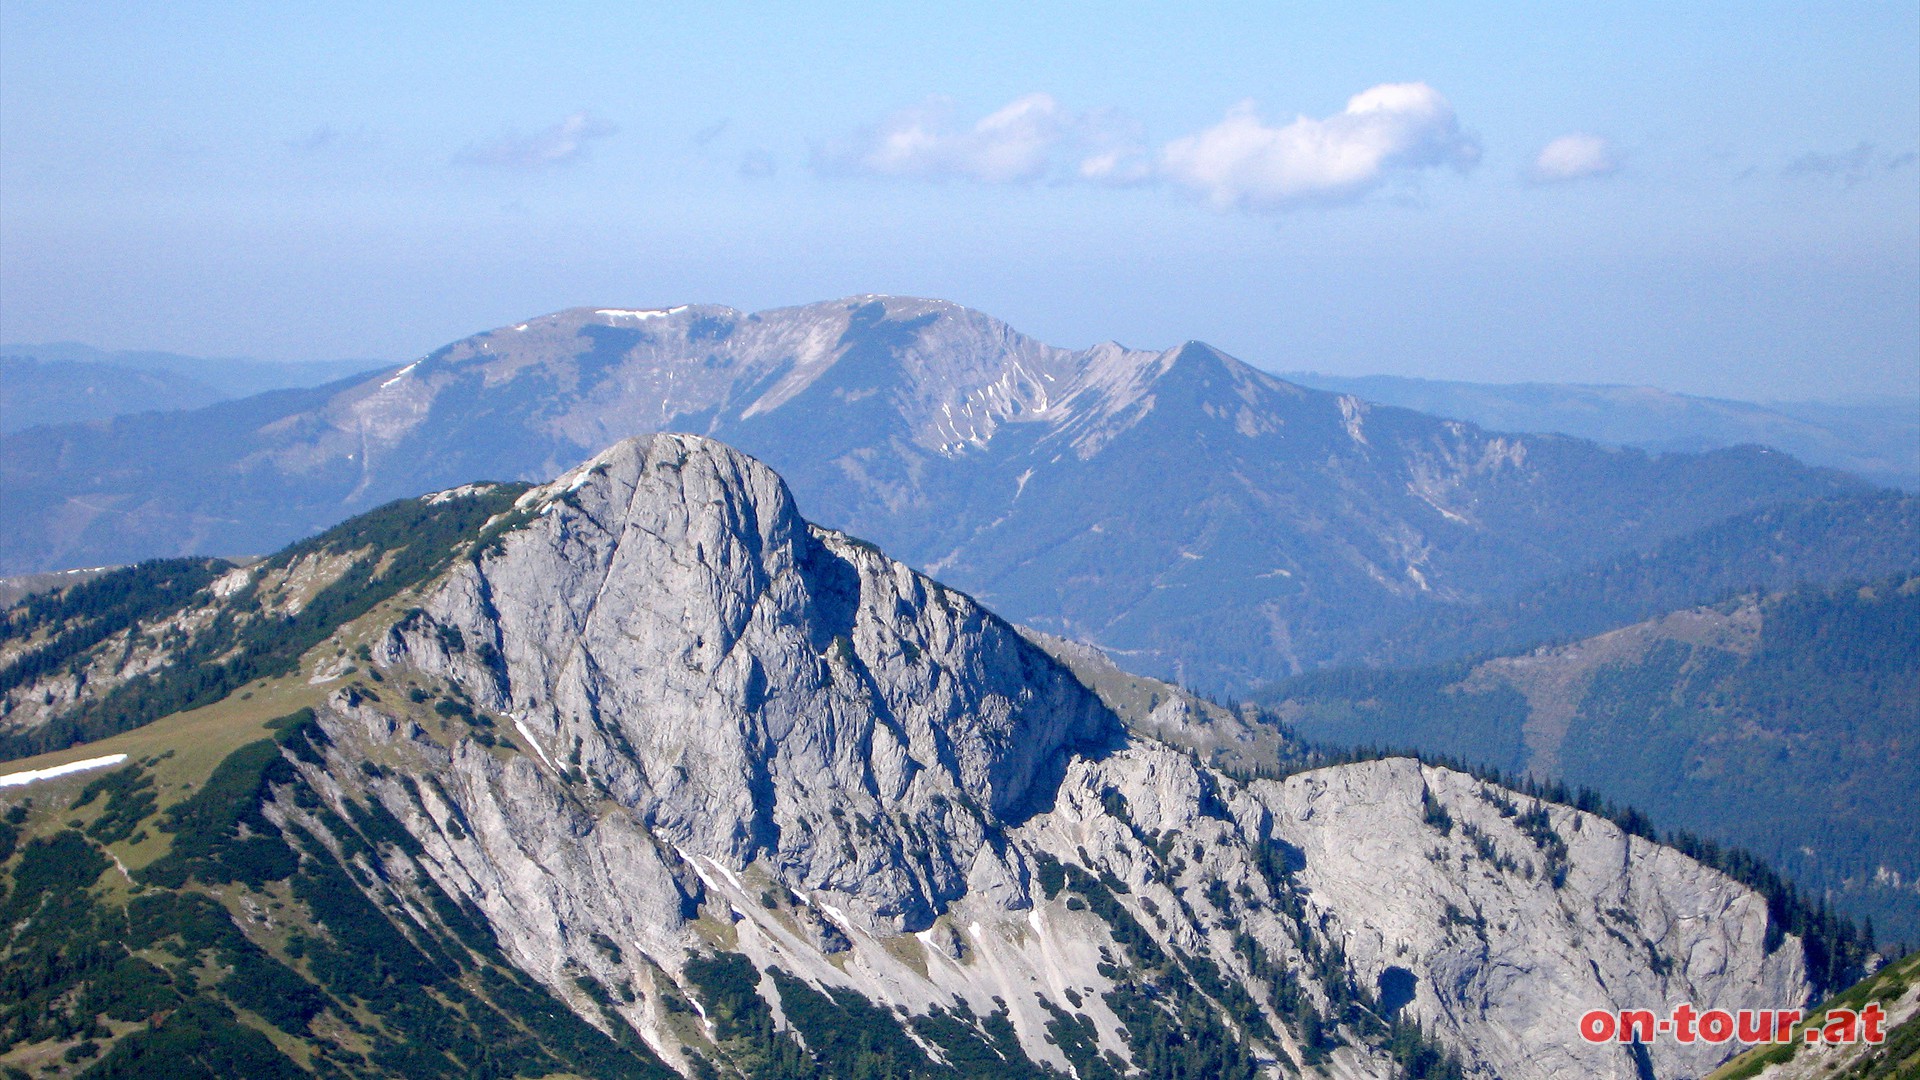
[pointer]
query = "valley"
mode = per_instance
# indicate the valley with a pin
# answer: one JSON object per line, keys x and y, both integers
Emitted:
{"x": 1777, "y": 722}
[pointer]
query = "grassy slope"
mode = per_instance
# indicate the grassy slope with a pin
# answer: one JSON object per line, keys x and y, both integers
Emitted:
{"x": 452, "y": 982}
{"x": 183, "y": 748}
{"x": 1897, "y": 990}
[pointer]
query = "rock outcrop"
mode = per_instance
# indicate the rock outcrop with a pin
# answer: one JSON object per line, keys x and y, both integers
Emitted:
{"x": 666, "y": 628}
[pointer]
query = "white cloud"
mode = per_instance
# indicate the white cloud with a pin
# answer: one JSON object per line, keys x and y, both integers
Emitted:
{"x": 1574, "y": 157}
{"x": 1392, "y": 129}
{"x": 1112, "y": 149}
{"x": 1114, "y": 167}
{"x": 563, "y": 142}
{"x": 1012, "y": 145}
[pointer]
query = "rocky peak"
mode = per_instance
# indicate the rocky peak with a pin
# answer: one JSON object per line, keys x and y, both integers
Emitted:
{"x": 661, "y": 623}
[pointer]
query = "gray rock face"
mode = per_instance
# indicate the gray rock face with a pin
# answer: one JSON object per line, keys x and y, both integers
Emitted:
{"x": 751, "y": 686}
{"x": 1467, "y": 920}
{"x": 1506, "y": 959}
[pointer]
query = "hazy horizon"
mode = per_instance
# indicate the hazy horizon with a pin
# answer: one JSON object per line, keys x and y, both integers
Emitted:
{"x": 1718, "y": 201}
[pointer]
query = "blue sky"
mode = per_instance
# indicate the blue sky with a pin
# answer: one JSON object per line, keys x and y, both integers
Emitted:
{"x": 1720, "y": 200}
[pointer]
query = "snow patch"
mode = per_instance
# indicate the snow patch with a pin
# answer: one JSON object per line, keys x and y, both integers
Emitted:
{"x": 464, "y": 491}
{"x": 838, "y": 916}
{"x": 28, "y": 776}
{"x": 640, "y": 314}
{"x": 521, "y": 726}
{"x": 401, "y": 374}
{"x": 718, "y": 868}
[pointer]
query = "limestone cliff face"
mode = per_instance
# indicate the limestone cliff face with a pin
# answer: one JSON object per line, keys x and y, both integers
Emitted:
{"x": 1460, "y": 927}
{"x": 1502, "y": 955}
{"x": 697, "y": 722}
{"x": 751, "y": 687}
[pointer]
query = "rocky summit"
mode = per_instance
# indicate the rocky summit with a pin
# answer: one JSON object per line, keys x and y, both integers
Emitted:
{"x": 639, "y": 771}
{"x": 666, "y": 629}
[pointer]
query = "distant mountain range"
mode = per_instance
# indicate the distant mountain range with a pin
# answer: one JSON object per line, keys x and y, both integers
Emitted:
{"x": 1666, "y": 626}
{"x": 1880, "y": 441}
{"x": 1195, "y": 516}
{"x": 1772, "y": 549}
{"x": 65, "y": 382}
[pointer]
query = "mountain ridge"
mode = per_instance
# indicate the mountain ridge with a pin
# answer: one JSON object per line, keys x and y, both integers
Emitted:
{"x": 1215, "y": 521}
{"x": 666, "y": 747}
{"x": 1878, "y": 441}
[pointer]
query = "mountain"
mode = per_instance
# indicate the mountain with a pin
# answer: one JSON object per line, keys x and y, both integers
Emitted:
{"x": 1180, "y": 509}
{"x": 1783, "y": 723}
{"x": 1776, "y": 548}
{"x": 1880, "y": 442}
{"x": 65, "y": 364}
{"x": 15, "y": 589}
{"x": 638, "y": 770}
{"x": 34, "y": 392}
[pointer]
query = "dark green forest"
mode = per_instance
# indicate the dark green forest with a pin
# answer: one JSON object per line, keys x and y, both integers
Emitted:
{"x": 1782, "y": 547}
{"x": 394, "y": 547}
{"x": 367, "y": 997}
